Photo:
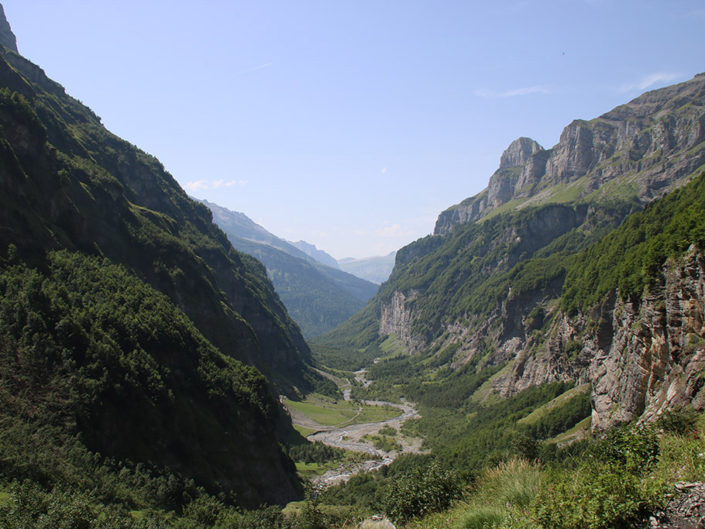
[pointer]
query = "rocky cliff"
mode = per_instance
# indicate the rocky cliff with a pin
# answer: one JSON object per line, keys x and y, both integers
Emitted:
{"x": 496, "y": 286}
{"x": 641, "y": 358}
{"x": 7, "y": 37}
{"x": 642, "y": 148}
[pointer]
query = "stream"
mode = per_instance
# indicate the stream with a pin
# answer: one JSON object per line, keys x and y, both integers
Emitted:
{"x": 351, "y": 437}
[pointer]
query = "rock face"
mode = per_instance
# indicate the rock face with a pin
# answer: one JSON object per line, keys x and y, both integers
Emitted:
{"x": 396, "y": 317}
{"x": 644, "y": 147}
{"x": 7, "y": 37}
{"x": 656, "y": 356}
{"x": 685, "y": 510}
{"x": 486, "y": 288}
{"x": 640, "y": 359}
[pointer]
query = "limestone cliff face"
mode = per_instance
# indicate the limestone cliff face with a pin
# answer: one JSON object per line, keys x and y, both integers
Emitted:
{"x": 646, "y": 145}
{"x": 640, "y": 358}
{"x": 396, "y": 318}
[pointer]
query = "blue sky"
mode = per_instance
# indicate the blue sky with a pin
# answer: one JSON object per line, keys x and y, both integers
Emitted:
{"x": 352, "y": 124}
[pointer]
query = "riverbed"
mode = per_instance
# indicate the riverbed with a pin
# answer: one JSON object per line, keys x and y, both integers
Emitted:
{"x": 351, "y": 437}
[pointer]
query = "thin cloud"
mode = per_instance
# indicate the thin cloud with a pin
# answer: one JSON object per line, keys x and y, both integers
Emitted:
{"x": 516, "y": 92}
{"x": 393, "y": 230}
{"x": 254, "y": 68}
{"x": 207, "y": 185}
{"x": 649, "y": 80}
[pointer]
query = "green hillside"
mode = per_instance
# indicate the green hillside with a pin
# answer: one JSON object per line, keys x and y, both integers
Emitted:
{"x": 67, "y": 182}
{"x": 317, "y": 297}
{"x": 127, "y": 321}
{"x": 100, "y": 369}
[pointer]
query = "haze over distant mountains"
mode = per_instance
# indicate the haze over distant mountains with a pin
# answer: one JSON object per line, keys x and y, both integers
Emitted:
{"x": 317, "y": 296}
{"x": 375, "y": 269}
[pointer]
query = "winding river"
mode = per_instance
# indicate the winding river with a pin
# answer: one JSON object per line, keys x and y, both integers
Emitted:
{"x": 351, "y": 437}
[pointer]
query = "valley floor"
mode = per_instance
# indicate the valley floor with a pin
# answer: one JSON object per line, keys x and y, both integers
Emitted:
{"x": 316, "y": 418}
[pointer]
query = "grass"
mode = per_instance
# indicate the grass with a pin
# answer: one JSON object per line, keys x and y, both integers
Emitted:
{"x": 383, "y": 442}
{"x": 577, "y": 432}
{"x": 391, "y": 347}
{"x": 308, "y": 469}
{"x": 516, "y": 494}
{"x": 499, "y": 491}
{"x": 311, "y": 470}
{"x": 540, "y": 412}
{"x": 485, "y": 393}
{"x": 329, "y": 412}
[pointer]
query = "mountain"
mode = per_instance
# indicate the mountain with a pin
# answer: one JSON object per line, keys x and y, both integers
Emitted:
{"x": 7, "y": 37}
{"x": 133, "y": 335}
{"x": 316, "y": 296}
{"x": 319, "y": 255}
{"x": 375, "y": 269}
{"x": 528, "y": 283}
{"x": 638, "y": 150}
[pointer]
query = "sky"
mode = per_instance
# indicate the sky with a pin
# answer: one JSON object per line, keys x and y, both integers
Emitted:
{"x": 352, "y": 124}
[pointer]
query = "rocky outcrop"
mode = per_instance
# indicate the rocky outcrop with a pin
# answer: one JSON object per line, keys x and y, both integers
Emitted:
{"x": 685, "y": 508}
{"x": 647, "y": 146}
{"x": 7, "y": 37}
{"x": 640, "y": 359}
{"x": 396, "y": 319}
{"x": 656, "y": 357}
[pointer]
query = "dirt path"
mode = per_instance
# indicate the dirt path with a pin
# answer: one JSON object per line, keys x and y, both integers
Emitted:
{"x": 351, "y": 437}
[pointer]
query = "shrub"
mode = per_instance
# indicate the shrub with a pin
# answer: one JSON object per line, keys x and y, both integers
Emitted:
{"x": 420, "y": 492}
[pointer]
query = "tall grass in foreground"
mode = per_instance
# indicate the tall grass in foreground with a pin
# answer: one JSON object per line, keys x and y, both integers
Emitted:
{"x": 500, "y": 491}
{"x": 618, "y": 481}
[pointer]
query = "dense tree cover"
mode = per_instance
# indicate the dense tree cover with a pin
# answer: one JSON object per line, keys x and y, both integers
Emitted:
{"x": 464, "y": 439}
{"x": 93, "y": 357}
{"x": 631, "y": 258}
{"x": 318, "y": 298}
{"x": 316, "y": 452}
{"x": 474, "y": 270}
{"x": 68, "y": 183}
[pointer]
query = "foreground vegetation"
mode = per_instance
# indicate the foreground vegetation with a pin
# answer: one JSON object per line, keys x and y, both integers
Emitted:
{"x": 616, "y": 482}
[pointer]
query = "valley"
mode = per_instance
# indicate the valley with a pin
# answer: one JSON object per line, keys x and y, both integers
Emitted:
{"x": 538, "y": 361}
{"x": 381, "y": 440}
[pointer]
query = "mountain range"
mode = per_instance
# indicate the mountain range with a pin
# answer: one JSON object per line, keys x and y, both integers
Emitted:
{"x": 317, "y": 296}
{"x": 375, "y": 269}
{"x": 494, "y": 292}
{"x": 148, "y": 340}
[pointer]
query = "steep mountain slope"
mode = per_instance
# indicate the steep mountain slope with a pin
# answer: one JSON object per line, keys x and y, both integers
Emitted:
{"x": 67, "y": 182}
{"x": 93, "y": 357}
{"x": 375, "y": 269}
{"x": 317, "y": 296}
{"x": 131, "y": 339}
{"x": 319, "y": 255}
{"x": 479, "y": 298}
{"x": 641, "y": 149}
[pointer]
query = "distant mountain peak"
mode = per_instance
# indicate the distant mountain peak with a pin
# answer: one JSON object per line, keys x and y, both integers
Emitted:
{"x": 518, "y": 152}
{"x": 316, "y": 253}
{"x": 7, "y": 37}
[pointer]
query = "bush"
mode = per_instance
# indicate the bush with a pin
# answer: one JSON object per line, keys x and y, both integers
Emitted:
{"x": 420, "y": 492}
{"x": 594, "y": 497}
{"x": 680, "y": 421}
